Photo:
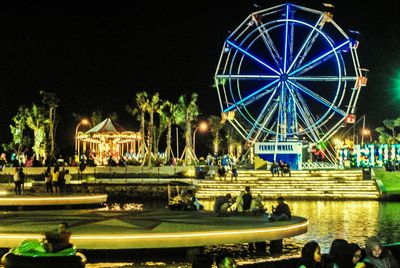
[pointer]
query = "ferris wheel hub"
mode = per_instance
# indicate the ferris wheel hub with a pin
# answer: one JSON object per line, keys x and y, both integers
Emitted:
{"x": 284, "y": 77}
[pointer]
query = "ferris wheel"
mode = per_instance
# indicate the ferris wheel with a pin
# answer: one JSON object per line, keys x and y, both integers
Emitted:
{"x": 288, "y": 72}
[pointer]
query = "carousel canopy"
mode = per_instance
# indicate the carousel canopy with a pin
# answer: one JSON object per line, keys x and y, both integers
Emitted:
{"x": 106, "y": 126}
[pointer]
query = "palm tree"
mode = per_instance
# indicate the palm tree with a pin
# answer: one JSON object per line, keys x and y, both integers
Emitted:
{"x": 140, "y": 111}
{"x": 233, "y": 138}
{"x": 168, "y": 114}
{"x": 188, "y": 111}
{"x": 153, "y": 106}
{"x": 215, "y": 127}
{"x": 390, "y": 124}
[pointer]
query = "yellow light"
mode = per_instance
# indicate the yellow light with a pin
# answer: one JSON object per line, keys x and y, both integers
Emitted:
{"x": 55, "y": 198}
{"x": 203, "y": 126}
{"x": 366, "y": 132}
{"x": 84, "y": 121}
{"x": 171, "y": 235}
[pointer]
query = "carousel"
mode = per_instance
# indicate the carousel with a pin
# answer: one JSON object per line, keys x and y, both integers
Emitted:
{"x": 108, "y": 140}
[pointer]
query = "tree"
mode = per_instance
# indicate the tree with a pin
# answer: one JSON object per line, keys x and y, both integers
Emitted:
{"x": 152, "y": 106}
{"x": 140, "y": 111}
{"x": 168, "y": 114}
{"x": 20, "y": 140}
{"x": 188, "y": 112}
{"x": 215, "y": 127}
{"x": 233, "y": 138}
{"x": 50, "y": 100}
{"x": 36, "y": 119}
{"x": 384, "y": 137}
{"x": 390, "y": 124}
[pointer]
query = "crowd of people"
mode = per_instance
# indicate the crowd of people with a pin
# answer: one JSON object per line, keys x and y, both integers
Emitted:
{"x": 245, "y": 203}
{"x": 343, "y": 254}
{"x": 56, "y": 180}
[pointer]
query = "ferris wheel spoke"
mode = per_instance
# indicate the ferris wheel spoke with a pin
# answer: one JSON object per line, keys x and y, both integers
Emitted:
{"x": 265, "y": 116}
{"x": 286, "y": 38}
{"x": 305, "y": 113}
{"x": 299, "y": 99}
{"x": 266, "y": 121}
{"x": 323, "y": 78}
{"x": 269, "y": 43}
{"x": 250, "y": 97}
{"x": 253, "y": 57}
{"x": 259, "y": 96}
{"x": 318, "y": 98}
{"x": 247, "y": 77}
{"x": 306, "y": 44}
{"x": 319, "y": 59}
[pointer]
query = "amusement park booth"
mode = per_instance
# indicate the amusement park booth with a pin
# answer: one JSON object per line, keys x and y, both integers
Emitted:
{"x": 290, "y": 152}
{"x": 108, "y": 139}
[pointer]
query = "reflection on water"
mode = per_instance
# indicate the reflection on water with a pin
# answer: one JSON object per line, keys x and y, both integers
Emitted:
{"x": 350, "y": 220}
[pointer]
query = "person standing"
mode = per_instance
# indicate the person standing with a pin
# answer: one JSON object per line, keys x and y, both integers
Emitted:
{"x": 234, "y": 173}
{"x": 61, "y": 180}
{"x": 221, "y": 172}
{"x": 67, "y": 179}
{"x": 22, "y": 180}
{"x": 48, "y": 180}
{"x": 55, "y": 176}
{"x": 17, "y": 181}
{"x": 247, "y": 198}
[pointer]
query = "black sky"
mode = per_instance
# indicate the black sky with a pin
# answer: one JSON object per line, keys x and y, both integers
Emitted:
{"x": 98, "y": 55}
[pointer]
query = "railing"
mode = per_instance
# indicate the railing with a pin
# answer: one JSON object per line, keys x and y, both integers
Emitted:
{"x": 320, "y": 165}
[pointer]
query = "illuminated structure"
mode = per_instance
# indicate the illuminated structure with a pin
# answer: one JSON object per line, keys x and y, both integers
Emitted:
{"x": 154, "y": 230}
{"x": 109, "y": 139}
{"x": 289, "y": 71}
{"x": 369, "y": 155}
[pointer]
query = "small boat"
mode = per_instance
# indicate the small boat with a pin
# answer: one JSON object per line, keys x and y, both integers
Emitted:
{"x": 32, "y": 253}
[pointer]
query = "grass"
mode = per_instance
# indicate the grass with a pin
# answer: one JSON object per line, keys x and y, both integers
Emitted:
{"x": 391, "y": 180}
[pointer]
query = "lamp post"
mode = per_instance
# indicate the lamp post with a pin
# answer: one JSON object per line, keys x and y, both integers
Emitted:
{"x": 366, "y": 132}
{"x": 82, "y": 122}
{"x": 203, "y": 127}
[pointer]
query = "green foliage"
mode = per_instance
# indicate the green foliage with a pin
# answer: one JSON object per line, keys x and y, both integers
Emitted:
{"x": 384, "y": 136}
{"x": 20, "y": 140}
{"x": 36, "y": 119}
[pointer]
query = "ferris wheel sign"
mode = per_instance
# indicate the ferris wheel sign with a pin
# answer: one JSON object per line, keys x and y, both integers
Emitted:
{"x": 289, "y": 72}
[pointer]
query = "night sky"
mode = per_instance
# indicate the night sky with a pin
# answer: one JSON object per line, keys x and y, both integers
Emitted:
{"x": 97, "y": 56}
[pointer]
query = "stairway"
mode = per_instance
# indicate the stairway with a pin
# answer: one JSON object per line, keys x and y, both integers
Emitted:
{"x": 305, "y": 184}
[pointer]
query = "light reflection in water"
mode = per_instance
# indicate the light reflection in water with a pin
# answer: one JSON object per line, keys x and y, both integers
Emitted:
{"x": 350, "y": 220}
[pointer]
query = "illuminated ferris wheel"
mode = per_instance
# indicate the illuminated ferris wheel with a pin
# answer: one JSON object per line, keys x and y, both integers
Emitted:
{"x": 288, "y": 71}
